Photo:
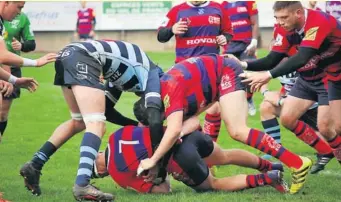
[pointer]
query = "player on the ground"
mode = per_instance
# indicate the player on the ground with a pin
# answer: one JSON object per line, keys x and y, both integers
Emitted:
{"x": 8, "y": 11}
{"x": 318, "y": 36}
{"x": 200, "y": 27}
{"x": 86, "y": 22}
{"x": 244, "y": 20}
{"x": 79, "y": 65}
{"x": 191, "y": 86}
{"x": 129, "y": 145}
{"x": 18, "y": 37}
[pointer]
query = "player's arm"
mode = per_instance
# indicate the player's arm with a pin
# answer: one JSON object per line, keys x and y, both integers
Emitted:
{"x": 226, "y": 26}
{"x": 165, "y": 32}
{"x": 266, "y": 63}
{"x": 29, "y": 43}
{"x": 253, "y": 12}
{"x": 190, "y": 125}
{"x": 173, "y": 131}
{"x": 112, "y": 95}
{"x": 295, "y": 62}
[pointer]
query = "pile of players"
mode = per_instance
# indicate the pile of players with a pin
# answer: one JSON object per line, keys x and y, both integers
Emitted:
{"x": 305, "y": 51}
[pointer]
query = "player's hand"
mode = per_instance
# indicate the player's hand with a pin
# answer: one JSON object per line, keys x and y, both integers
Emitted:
{"x": 29, "y": 83}
{"x": 251, "y": 48}
{"x": 231, "y": 56}
{"x": 145, "y": 164}
{"x": 152, "y": 174}
{"x": 182, "y": 177}
{"x": 6, "y": 88}
{"x": 16, "y": 45}
{"x": 50, "y": 57}
{"x": 255, "y": 79}
{"x": 180, "y": 27}
{"x": 221, "y": 40}
{"x": 272, "y": 97}
{"x": 92, "y": 33}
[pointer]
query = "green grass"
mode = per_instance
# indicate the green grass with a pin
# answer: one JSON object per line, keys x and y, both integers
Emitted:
{"x": 35, "y": 116}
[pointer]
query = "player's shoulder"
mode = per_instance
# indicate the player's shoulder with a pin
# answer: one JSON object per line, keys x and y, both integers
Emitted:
{"x": 178, "y": 7}
{"x": 215, "y": 4}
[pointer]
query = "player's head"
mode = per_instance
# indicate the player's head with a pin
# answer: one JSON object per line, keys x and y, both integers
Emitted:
{"x": 197, "y": 3}
{"x": 11, "y": 9}
{"x": 83, "y": 4}
{"x": 99, "y": 170}
{"x": 289, "y": 14}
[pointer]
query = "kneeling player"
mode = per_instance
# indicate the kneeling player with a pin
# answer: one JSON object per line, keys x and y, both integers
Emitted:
{"x": 130, "y": 144}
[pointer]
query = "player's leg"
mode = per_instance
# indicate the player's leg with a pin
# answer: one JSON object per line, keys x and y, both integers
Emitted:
{"x": 334, "y": 95}
{"x": 269, "y": 113}
{"x": 240, "y": 182}
{"x": 301, "y": 97}
{"x": 212, "y": 122}
{"x": 310, "y": 117}
{"x": 240, "y": 157}
{"x": 7, "y": 102}
{"x": 92, "y": 111}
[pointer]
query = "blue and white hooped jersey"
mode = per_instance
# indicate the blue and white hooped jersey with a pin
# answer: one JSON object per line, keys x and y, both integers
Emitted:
{"x": 125, "y": 65}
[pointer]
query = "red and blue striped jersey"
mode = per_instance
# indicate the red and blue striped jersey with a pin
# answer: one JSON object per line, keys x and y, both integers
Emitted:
{"x": 205, "y": 23}
{"x": 127, "y": 147}
{"x": 240, "y": 13}
{"x": 85, "y": 20}
{"x": 321, "y": 32}
{"x": 194, "y": 84}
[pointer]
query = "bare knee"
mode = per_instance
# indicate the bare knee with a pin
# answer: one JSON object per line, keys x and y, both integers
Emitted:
{"x": 239, "y": 132}
{"x": 267, "y": 109}
{"x": 288, "y": 121}
{"x": 78, "y": 125}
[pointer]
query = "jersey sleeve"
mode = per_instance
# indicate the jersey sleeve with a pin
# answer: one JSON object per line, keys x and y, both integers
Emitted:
{"x": 173, "y": 96}
{"x": 153, "y": 89}
{"x": 226, "y": 26}
{"x": 252, "y": 8}
{"x": 112, "y": 93}
{"x": 27, "y": 32}
{"x": 316, "y": 34}
{"x": 170, "y": 18}
{"x": 281, "y": 43}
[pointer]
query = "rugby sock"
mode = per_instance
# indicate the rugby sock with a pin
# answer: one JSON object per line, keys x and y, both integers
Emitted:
{"x": 3, "y": 126}
{"x": 335, "y": 143}
{"x": 272, "y": 128}
{"x": 267, "y": 144}
{"x": 88, "y": 153}
{"x": 249, "y": 96}
{"x": 212, "y": 125}
{"x": 264, "y": 165}
{"x": 43, "y": 155}
{"x": 258, "y": 180}
{"x": 307, "y": 134}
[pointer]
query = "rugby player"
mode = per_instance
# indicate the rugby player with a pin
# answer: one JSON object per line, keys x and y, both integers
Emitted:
{"x": 86, "y": 22}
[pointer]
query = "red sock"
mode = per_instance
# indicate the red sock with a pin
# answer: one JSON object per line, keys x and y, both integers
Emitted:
{"x": 258, "y": 180}
{"x": 264, "y": 165}
{"x": 308, "y": 135}
{"x": 267, "y": 144}
{"x": 212, "y": 125}
{"x": 335, "y": 143}
{"x": 249, "y": 96}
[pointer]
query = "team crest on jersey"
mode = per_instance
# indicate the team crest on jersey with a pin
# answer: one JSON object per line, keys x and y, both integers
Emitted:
{"x": 5, "y": 35}
{"x": 278, "y": 40}
{"x": 311, "y": 34}
{"x": 214, "y": 20}
{"x": 14, "y": 24}
{"x": 225, "y": 82}
{"x": 166, "y": 101}
{"x": 201, "y": 11}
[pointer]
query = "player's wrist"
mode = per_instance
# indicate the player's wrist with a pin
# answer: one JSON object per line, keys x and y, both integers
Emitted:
{"x": 254, "y": 42}
{"x": 12, "y": 79}
{"x": 270, "y": 75}
{"x": 29, "y": 62}
{"x": 244, "y": 65}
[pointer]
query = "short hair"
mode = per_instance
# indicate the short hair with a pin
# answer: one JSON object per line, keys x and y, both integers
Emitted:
{"x": 279, "y": 5}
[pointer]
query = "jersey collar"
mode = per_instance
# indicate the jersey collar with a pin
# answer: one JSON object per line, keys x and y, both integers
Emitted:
{"x": 305, "y": 22}
{"x": 201, "y": 5}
